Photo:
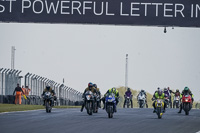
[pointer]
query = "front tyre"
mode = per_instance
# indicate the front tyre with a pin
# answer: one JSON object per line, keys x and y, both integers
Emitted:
{"x": 47, "y": 106}
{"x": 187, "y": 109}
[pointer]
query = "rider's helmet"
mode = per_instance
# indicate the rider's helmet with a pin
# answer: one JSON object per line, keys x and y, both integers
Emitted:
{"x": 113, "y": 90}
{"x": 90, "y": 84}
{"x": 48, "y": 87}
{"x": 94, "y": 85}
{"x": 158, "y": 88}
{"x": 186, "y": 89}
{"x": 142, "y": 90}
{"x": 128, "y": 89}
{"x": 165, "y": 89}
{"x": 177, "y": 90}
{"x": 160, "y": 92}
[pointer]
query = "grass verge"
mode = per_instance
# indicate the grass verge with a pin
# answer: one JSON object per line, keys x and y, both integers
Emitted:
{"x": 13, "y": 107}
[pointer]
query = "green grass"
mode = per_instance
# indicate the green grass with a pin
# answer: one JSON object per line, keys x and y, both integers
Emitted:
{"x": 13, "y": 107}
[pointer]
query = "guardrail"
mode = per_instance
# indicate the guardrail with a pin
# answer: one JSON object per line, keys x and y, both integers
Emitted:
{"x": 9, "y": 79}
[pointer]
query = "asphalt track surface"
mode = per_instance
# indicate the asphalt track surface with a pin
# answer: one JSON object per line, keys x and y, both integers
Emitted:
{"x": 124, "y": 121}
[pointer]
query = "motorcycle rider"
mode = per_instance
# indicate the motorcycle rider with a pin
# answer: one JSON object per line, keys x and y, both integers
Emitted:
{"x": 177, "y": 93}
{"x": 98, "y": 93}
{"x": 128, "y": 93}
{"x": 116, "y": 92}
{"x": 158, "y": 95}
{"x": 143, "y": 92}
{"x": 184, "y": 92}
{"x": 49, "y": 89}
{"x": 168, "y": 93}
{"x": 89, "y": 88}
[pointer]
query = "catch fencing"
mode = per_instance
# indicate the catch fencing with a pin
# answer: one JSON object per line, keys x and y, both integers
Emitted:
{"x": 9, "y": 79}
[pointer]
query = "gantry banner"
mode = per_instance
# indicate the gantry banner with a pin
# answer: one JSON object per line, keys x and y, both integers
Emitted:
{"x": 182, "y": 13}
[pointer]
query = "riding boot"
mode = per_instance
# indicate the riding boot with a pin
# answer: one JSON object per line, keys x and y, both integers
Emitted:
{"x": 124, "y": 104}
{"x": 82, "y": 108}
{"x": 180, "y": 109}
{"x": 154, "y": 111}
{"x": 44, "y": 103}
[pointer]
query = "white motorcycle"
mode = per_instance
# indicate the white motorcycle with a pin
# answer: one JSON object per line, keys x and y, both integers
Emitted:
{"x": 176, "y": 102}
{"x": 141, "y": 100}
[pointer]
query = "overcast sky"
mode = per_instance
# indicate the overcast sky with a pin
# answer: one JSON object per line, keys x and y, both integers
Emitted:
{"x": 96, "y": 53}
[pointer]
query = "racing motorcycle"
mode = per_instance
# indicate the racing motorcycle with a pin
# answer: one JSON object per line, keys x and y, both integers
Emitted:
{"x": 167, "y": 100}
{"x": 128, "y": 100}
{"x": 96, "y": 102}
{"x": 48, "y": 101}
{"x": 187, "y": 103}
{"x": 176, "y": 102}
{"x": 110, "y": 104}
{"x": 159, "y": 104}
{"x": 141, "y": 100}
{"x": 89, "y": 100}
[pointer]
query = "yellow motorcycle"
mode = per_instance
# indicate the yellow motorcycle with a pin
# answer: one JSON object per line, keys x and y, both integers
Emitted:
{"x": 159, "y": 107}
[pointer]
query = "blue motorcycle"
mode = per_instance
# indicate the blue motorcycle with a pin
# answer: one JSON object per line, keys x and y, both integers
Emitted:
{"x": 110, "y": 104}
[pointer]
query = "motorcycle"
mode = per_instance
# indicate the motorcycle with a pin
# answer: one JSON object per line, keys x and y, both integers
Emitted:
{"x": 128, "y": 100}
{"x": 176, "y": 102}
{"x": 141, "y": 100}
{"x": 96, "y": 102}
{"x": 48, "y": 101}
{"x": 110, "y": 104}
{"x": 167, "y": 100}
{"x": 159, "y": 104}
{"x": 187, "y": 103}
{"x": 89, "y": 100}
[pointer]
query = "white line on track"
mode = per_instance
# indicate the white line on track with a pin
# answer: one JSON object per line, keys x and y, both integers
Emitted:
{"x": 20, "y": 111}
{"x": 198, "y": 132}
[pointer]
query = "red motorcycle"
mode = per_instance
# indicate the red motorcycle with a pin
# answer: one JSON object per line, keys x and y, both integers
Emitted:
{"x": 187, "y": 103}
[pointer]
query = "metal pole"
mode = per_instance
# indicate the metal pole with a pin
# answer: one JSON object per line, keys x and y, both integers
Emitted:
{"x": 126, "y": 72}
{"x": 1, "y": 80}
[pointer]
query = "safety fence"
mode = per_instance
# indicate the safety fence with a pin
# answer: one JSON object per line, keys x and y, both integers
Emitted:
{"x": 36, "y": 84}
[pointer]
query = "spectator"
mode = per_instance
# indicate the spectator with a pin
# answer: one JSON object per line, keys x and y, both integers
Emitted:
{"x": 18, "y": 91}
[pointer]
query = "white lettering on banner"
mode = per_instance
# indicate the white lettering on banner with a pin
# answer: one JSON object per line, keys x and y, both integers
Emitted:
{"x": 134, "y": 9}
{"x": 42, "y": 6}
{"x": 111, "y": 14}
{"x": 75, "y": 8}
{"x": 23, "y": 5}
{"x": 95, "y": 9}
{"x": 167, "y": 9}
{"x": 197, "y": 8}
{"x": 145, "y": 9}
{"x": 3, "y": 8}
{"x": 52, "y": 7}
{"x": 62, "y": 7}
{"x": 192, "y": 8}
{"x": 10, "y": 10}
{"x": 85, "y": 7}
{"x": 157, "y": 4}
{"x": 180, "y": 11}
{"x": 121, "y": 10}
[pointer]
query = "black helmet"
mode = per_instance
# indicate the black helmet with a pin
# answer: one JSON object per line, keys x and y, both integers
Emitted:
{"x": 177, "y": 90}
{"x": 160, "y": 92}
{"x": 142, "y": 90}
{"x": 94, "y": 85}
{"x": 128, "y": 89}
{"x": 48, "y": 87}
